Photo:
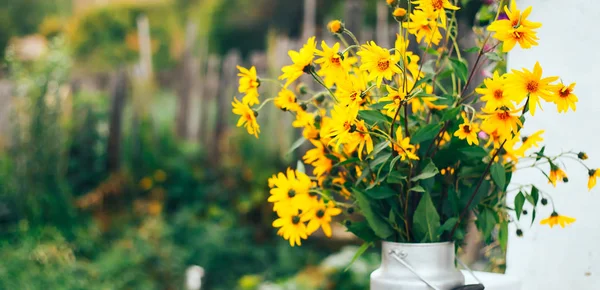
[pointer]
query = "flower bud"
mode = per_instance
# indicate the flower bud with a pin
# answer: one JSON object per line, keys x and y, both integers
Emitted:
{"x": 255, "y": 113}
{"x": 352, "y": 128}
{"x": 525, "y": 212}
{"x": 519, "y": 233}
{"x": 303, "y": 106}
{"x": 302, "y": 89}
{"x": 399, "y": 14}
{"x": 544, "y": 201}
{"x": 347, "y": 223}
{"x": 391, "y": 3}
{"x": 320, "y": 98}
{"x": 582, "y": 156}
{"x": 350, "y": 210}
{"x": 335, "y": 26}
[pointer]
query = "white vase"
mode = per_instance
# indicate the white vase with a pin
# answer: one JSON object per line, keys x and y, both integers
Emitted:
{"x": 432, "y": 262}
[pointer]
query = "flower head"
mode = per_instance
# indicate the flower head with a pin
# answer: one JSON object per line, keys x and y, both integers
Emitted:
{"x": 379, "y": 62}
{"x": 286, "y": 100}
{"x": 335, "y": 26}
{"x": 556, "y": 174}
{"x": 501, "y": 121}
{"x": 437, "y": 6}
{"x": 556, "y": 219}
{"x": 249, "y": 84}
{"x": 291, "y": 228}
{"x": 302, "y": 62}
{"x": 565, "y": 98}
{"x": 289, "y": 193}
{"x": 593, "y": 175}
{"x": 527, "y": 84}
{"x": 399, "y": 13}
{"x": 403, "y": 146}
{"x": 247, "y": 117}
{"x": 423, "y": 24}
{"x": 343, "y": 123}
{"x": 468, "y": 131}
{"x": 493, "y": 93}
{"x": 320, "y": 217}
{"x": 360, "y": 139}
{"x": 515, "y": 29}
{"x": 334, "y": 65}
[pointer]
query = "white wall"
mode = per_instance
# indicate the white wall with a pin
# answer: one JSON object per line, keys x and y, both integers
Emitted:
{"x": 569, "y": 47}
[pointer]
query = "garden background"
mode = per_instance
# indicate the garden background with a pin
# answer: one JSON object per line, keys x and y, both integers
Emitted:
{"x": 120, "y": 162}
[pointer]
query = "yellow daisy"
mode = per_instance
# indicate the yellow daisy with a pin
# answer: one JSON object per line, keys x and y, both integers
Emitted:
{"x": 343, "y": 120}
{"x": 332, "y": 63}
{"x": 501, "y": 121}
{"x": 515, "y": 29}
{"x": 424, "y": 26}
{"x": 403, "y": 146}
{"x": 565, "y": 98}
{"x": 360, "y": 139}
{"x": 290, "y": 192}
{"x": 557, "y": 174}
{"x": 291, "y": 228}
{"x": 438, "y": 7}
{"x": 556, "y": 219}
{"x": 286, "y": 100}
{"x": 523, "y": 84}
{"x": 249, "y": 84}
{"x": 468, "y": 131}
{"x": 320, "y": 217}
{"x": 378, "y": 62}
{"x": 593, "y": 174}
{"x": 493, "y": 94}
{"x": 247, "y": 117}
{"x": 302, "y": 62}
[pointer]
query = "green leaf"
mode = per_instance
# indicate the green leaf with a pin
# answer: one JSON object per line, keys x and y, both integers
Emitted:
{"x": 519, "y": 201}
{"x": 430, "y": 170}
{"x": 494, "y": 56}
{"x": 396, "y": 177}
{"x": 474, "y": 152}
{"x": 417, "y": 188}
{"x": 460, "y": 67}
{"x": 296, "y": 144}
{"x": 498, "y": 174}
{"x": 540, "y": 154}
{"x": 533, "y": 216}
{"x": 472, "y": 49}
{"x": 347, "y": 161}
{"x": 535, "y": 195}
{"x": 363, "y": 231}
{"x": 372, "y": 116}
{"x": 503, "y": 235}
{"x": 362, "y": 176}
{"x": 423, "y": 80}
{"x": 486, "y": 222}
{"x": 381, "y": 228}
{"x": 378, "y": 148}
{"x": 447, "y": 226}
{"x": 381, "y": 192}
{"x": 379, "y": 105}
{"x": 359, "y": 253}
{"x": 450, "y": 114}
{"x": 300, "y": 167}
{"x": 426, "y": 133}
{"x": 426, "y": 221}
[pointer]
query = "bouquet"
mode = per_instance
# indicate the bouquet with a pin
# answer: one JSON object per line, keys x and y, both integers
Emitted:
{"x": 400, "y": 145}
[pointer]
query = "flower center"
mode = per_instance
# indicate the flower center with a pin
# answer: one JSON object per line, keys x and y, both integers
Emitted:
{"x": 320, "y": 213}
{"x": 383, "y": 64}
{"x": 335, "y": 61}
{"x": 467, "y": 129}
{"x": 347, "y": 125}
{"x": 437, "y": 4}
{"x": 504, "y": 115}
{"x": 295, "y": 219}
{"x": 532, "y": 86}
{"x": 564, "y": 93}
{"x": 291, "y": 193}
{"x": 517, "y": 34}
{"x": 498, "y": 94}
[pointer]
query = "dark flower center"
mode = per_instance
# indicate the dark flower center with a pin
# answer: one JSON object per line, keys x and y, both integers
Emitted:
{"x": 383, "y": 64}
{"x": 291, "y": 193}
{"x": 467, "y": 129}
{"x": 320, "y": 213}
{"x": 532, "y": 86}
{"x": 437, "y": 4}
{"x": 295, "y": 219}
{"x": 498, "y": 94}
{"x": 564, "y": 93}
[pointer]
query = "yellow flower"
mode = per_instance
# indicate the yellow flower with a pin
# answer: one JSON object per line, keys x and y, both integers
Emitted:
{"x": 565, "y": 98}
{"x": 291, "y": 228}
{"x": 361, "y": 139}
{"x": 399, "y": 12}
{"x": 556, "y": 219}
{"x": 335, "y": 26}
{"x": 557, "y": 174}
{"x": 286, "y": 100}
{"x": 290, "y": 192}
{"x": 160, "y": 175}
{"x": 531, "y": 141}
{"x": 249, "y": 84}
{"x": 303, "y": 119}
{"x": 523, "y": 84}
{"x": 493, "y": 93}
{"x": 423, "y": 25}
{"x": 391, "y": 2}
{"x": 316, "y": 157}
{"x": 515, "y": 29}
{"x": 302, "y": 62}
{"x": 395, "y": 97}
{"x": 247, "y": 117}
{"x": 437, "y": 6}
{"x": 343, "y": 121}
{"x": 146, "y": 183}
{"x": 593, "y": 173}
{"x": 379, "y": 62}
{"x": 468, "y": 130}
{"x": 502, "y": 121}
{"x": 332, "y": 63}
{"x": 350, "y": 90}
{"x": 403, "y": 146}
{"x": 320, "y": 217}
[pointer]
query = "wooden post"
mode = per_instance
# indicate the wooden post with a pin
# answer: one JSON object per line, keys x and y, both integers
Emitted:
{"x": 225, "y": 92}
{"x": 189, "y": 76}
{"x": 310, "y": 19}
{"x": 143, "y": 26}
{"x": 383, "y": 27}
{"x": 117, "y": 104}
{"x": 353, "y": 16}
{"x": 209, "y": 92}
